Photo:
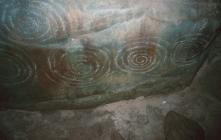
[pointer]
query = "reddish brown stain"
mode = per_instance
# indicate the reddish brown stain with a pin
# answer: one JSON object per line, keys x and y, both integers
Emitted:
{"x": 151, "y": 50}
{"x": 100, "y": 23}
{"x": 46, "y": 79}
{"x": 3, "y": 136}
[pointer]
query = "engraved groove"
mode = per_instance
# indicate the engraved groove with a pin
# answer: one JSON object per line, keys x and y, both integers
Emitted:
{"x": 24, "y": 21}
{"x": 16, "y": 66}
{"x": 79, "y": 67}
{"x": 188, "y": 49}
{"x": 142, "y": 55}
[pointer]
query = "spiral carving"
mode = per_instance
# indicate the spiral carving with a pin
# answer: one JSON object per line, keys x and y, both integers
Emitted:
{"x": 79, "y": 67}
{"x": 188, "y": 49}
{"x": 16, "y": 66}
{"x": 141, "y": 55}
{"x": 38, "y": 21}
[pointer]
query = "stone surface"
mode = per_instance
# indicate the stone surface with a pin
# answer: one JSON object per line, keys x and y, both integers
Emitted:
{"x": 140, "y": 118}
{"x": 65, "y": 54}
{"x": 178, "y": 127}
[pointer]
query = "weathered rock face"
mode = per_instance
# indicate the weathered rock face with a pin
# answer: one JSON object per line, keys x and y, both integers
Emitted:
{"x": 139, "y": 119}
{"x": 77, "y": 54}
